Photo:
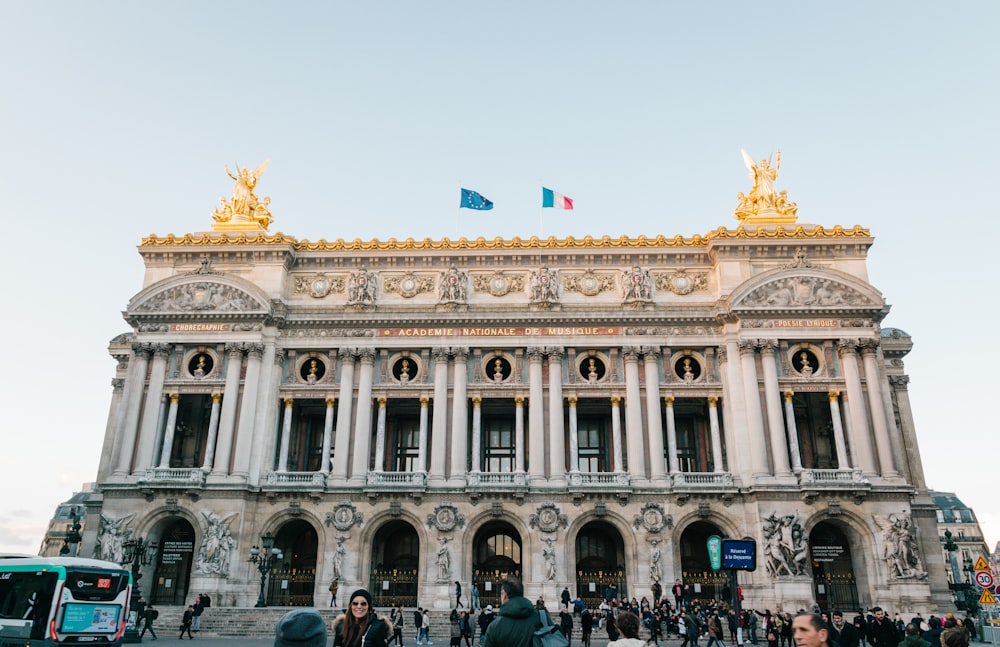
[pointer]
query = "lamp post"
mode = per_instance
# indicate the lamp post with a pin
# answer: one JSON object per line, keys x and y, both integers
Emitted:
{"x": 265, "y": 560}
{"x": 968, "y": 589}
{"x": 138, "y": 552}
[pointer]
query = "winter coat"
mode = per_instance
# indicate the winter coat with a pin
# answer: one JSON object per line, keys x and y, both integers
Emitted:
{"x": 515, "y": 624}
{"x": 377, "y": 634}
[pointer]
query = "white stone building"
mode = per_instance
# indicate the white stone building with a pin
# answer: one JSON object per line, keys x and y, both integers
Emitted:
{"x": 402, "y": 415}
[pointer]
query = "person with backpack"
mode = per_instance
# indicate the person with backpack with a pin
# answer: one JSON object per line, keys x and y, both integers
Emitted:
{"x": 517, "y": 620}
{"x": 150, "y": 614}
{"x": 485, "y": 619}
{"x": 186, "y": 622}
{"x": 396, "y": 618}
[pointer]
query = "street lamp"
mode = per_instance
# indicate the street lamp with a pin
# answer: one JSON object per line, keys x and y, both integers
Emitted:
{"x": 265, "y": 560}
{"x": 139, "y": 552}
{"x": 971, "y": 601}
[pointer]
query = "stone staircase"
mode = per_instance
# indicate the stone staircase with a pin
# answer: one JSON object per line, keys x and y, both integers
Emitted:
{"x": 251, "y": 622}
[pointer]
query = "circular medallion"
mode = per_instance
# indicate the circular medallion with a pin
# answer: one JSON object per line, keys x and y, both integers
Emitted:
{"x": 320, "y": 287}
{"x": 408, "y": 285}
{"x": 498, "y": 284}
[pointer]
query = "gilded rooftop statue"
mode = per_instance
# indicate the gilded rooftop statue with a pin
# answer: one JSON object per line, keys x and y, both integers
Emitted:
{"x": 243, "y": 212}
{"x": 764, "y": 205}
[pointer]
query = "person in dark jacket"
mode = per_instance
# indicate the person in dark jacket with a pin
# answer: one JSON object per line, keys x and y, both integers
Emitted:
{"x": 882, "y": 630}
{"x": 933, "y": 635}
{"x": 186, "y": 622}
{"x": 300, "y": 628}
{"x": 198, "y": 608}
{"x": 150, "y": 615}
{"x": 566, "y": 625}
{"x": 517, "y": 621}
{"x": 360, "y": 626}
{"x": 486, "y": 618}
{"x": 586, "y": 626}
{"x": 843, "y": 632}
{"x": 912, "y": 637}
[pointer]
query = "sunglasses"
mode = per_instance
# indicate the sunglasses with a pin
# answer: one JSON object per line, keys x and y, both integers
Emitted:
{"x": 360, "y": 603}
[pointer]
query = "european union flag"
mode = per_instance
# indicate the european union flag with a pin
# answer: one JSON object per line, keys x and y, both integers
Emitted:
{"x": 472, "y": 200}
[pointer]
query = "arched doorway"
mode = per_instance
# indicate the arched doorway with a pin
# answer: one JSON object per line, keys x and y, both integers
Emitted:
{"x": 833, "y": 568}
{"x": 395, "y": 565}
{"x": 292, "y": 583}
{"x": 700, "y": 581}
{"x": 496, "y": 556}
{"x": 600, "y": 563}
{"x": 169, "y": 581}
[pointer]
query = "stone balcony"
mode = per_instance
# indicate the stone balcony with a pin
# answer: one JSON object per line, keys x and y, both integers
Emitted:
{"x": 174, "y": 477}
{"x": 377, "y": 481}
{"x": 840, "y": 478}
{"x": 295, "y": 480}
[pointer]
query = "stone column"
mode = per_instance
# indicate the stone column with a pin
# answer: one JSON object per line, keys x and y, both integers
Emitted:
{"x": 654, "y": 425}
{"x": 616, "y": 433}
{"x": 171, "y": 428}
{"x": 772, "y": 396}
{"x": 121, "y": 459}
{"x": 265, "y": 414}
{"x": 860, "y": 434}
{"x": 755, "y": 416}
{"x": 213, "y": 432}
{"x": 161, "y": 425}
{"x": 713, "y": 426}
{"x": 227, "y": 417}
{"x": 793, "y": 432}
{"x": 111, "y": 428}
{"x": 633, "y": 417}
{"x": 477, "y": 434}
{"x": 422, "y": 450}
{"x": 341, "y": 447}
{"x": 557, "y": 430}
{"x": 324, "y": 465}
{"x": 439, "y": 422}
{"x": 248, "y": 411}
{"x": 286, "y": 433}
{"x": 519, "y": 435}
{"x": 144, "y": 457}
{"x": 675, "y": 463}
{"x": 869, "y": 352}
{"x": 380, "y": 436}
{"x": 363, "y": 427}
{"x": 460, "y": 418}
{"x": 838, "y": 431}
{"x": 908, "y": 430}
{"x": 734, "y": 407}
{"x": 536, "y": 419}
{"x": 574, "y": 436}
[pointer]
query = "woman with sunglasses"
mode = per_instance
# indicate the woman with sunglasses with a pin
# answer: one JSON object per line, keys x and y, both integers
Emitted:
{"x": 360, "y": 626}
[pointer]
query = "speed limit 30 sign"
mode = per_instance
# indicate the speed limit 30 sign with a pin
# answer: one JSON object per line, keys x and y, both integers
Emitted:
{"x": 984, "y": 579}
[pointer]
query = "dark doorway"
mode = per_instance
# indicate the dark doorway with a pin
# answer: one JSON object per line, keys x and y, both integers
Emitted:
{"x": 169, "y": 581}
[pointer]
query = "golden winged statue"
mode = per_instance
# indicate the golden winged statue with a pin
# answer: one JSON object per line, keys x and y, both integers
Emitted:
{"x": 763, "y": 205}
{"x": 243, "y": 212}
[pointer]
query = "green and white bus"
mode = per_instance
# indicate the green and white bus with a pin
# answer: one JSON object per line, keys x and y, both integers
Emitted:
{"x": 55, "y": 600}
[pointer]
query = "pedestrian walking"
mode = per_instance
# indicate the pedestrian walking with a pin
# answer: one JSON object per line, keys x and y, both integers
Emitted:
{"x": 150, "y": 614}
{"x": 186, "y": 620}
{"x": 396, "y": 618}
{"x": 517, "y": 620}
{"x": 485, "y": 619}
{"x": 199, "y": 608}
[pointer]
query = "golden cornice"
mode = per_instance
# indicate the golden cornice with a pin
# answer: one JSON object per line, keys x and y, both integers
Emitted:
{"x": 551, "y": 243}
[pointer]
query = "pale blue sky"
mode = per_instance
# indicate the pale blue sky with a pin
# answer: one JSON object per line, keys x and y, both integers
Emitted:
{"x": 116, "y": 119}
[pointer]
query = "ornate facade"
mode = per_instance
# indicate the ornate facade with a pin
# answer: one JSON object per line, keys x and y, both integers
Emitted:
{"x": 402, "y": 415}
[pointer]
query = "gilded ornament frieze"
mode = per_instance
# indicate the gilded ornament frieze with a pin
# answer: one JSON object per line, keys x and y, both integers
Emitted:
{"x": 200, "y": 296}
{"x": 587, "y": 242}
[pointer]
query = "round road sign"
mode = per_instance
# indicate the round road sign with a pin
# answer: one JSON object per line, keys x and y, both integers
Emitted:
{"x": 984, "y": 579}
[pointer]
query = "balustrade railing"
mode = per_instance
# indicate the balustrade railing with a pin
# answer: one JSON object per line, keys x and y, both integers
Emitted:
{"x": 186, "y": 475}
{"x": 723, "y": 479}
{"x": 296, "y": 478}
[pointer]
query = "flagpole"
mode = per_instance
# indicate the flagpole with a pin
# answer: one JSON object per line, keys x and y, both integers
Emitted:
{"x": 541, "y": 215}
{"x": 458, "y": 212}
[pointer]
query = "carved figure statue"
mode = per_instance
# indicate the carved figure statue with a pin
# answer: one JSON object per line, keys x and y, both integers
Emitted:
{"x": 216, "y": 546}
{"x": 444, "y": 560}
{"x": 655, "y": 571}
{"x": 592, "y": 374}
{"x": 762, "y": 197}
{"x": 497, "y": 371}
{"x": 452, "y": 286}
{"x": 311, "y": 375}
{"x": 404, "y": 372}
{"x": 361, "y": 290}
{"x": 636, "y": 285}
{"x": 688, "y": 373}
{"x": 807, "y": 369}
{"x": 199, "y": 370}
{"x": 338, "y": 559}
{"x": 112, "y": 534}
{"x": 244, "y": 205}
{"x": 542, "y": 286}
{"x": 785, "y": 546}
{"x": 549, "y": 555}
{"x": 899, "y": 547}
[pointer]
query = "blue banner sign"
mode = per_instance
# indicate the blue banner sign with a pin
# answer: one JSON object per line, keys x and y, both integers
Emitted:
{"x": 740, "y": 554}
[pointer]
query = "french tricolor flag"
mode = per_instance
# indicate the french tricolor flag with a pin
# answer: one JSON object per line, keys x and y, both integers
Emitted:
{"x": 555, "y": 200}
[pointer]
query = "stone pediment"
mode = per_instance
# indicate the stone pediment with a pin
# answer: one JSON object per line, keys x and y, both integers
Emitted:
{"x": 806, "y": 288}
{"x": 200, "y": 294}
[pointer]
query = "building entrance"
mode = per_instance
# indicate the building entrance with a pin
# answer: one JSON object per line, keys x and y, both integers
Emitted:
{"x": 495, "y": 558}
{"x": 170, "y": 579}
{"x": 700, "y": 581}
{"x": 395, "y": 565}
{"x": 292, "y": 583}
{"x": 833, "y": 568}
{"x": 600, "y": 564}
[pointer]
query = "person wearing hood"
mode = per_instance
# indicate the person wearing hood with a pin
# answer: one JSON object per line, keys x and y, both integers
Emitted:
{"x": 360, "y": 626}
{"x": 517, "y": 620}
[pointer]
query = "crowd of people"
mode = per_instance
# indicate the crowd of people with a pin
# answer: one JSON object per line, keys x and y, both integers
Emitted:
{"x": 627, "y": 622}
